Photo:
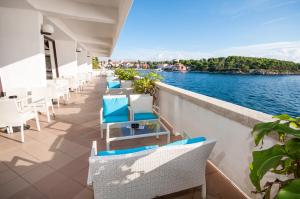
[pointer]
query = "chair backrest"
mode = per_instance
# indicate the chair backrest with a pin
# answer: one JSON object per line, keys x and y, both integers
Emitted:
{"x": 38, "y": 93}
{"x": 150, "y": 173}
{"x": 126, "y": 84}
{"x": 141, "y": 103}
{"x": 9, "y": 112}
{"x": 20, "y": 92}
{"x": 115, "y": 105}
{"x": 113, "y": 84}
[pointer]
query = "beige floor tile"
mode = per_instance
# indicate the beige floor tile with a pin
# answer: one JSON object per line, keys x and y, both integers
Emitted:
{"x": 59, "y": 160}
{"x": 41, "y": 171}
{"x": 19, "y": 161}
{"x": 7, "y": 176}
{"x": 28, "y": 193}
{"x": 81, "y": 176}
{"x": 58, "y": 186}
{"x": 9, "y": 189}
{"x": 85, "y": 194}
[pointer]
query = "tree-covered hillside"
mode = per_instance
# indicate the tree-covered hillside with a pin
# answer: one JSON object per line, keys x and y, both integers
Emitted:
{"x": 243, "y": 64}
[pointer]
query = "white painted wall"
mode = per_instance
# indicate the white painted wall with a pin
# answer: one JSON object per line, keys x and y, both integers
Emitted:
{"x": 66, "y": 58}
{"x": 22, "y": 59}
{"x": 82, "y": 61}
{"x": 233, "y": 151}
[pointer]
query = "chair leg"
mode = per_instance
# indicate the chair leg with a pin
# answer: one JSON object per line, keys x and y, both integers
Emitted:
{"x": 57, "y": 102}
{"x": 11, "y": 130}
{"x": 8, "y": 129}
{"x": 203, "y": 191}
{"x": 37, "y": 122}
{"x": 52, "y": 108}
{"x": 48, "y": 115}
{"x": 22, "y": 133}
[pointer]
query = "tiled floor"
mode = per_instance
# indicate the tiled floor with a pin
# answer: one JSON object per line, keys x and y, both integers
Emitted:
{"x": 53, "y": 163}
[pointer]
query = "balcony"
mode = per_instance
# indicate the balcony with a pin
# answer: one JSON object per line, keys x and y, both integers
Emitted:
{"x": 53, "y": 163}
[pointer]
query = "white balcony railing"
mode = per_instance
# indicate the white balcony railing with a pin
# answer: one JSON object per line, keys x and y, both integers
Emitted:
{"x": 192, "y": 114}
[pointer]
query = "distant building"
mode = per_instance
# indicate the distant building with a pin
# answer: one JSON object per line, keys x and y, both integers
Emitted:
{"x": 180, "y": 67}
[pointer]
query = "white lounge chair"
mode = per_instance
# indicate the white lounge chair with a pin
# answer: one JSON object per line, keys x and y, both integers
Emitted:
{"x": 148, "y": 172}
{"x": 115, "y": 110}
{"x": 142, "y": 108}
{"x": 11, "y": 115}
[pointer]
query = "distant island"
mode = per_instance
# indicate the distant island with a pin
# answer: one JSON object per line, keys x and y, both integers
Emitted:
{"x": 237, "y": 65}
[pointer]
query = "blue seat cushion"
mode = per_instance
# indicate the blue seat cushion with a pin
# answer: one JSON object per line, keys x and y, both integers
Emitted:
{"x": 188, "y": 141}
{"x": 113, "y": 84}
{"x": 115, "y": 118}
{"x": 145, "y": 116}
{"x": 126, "y": 151}
{"x": 115, "y": 106}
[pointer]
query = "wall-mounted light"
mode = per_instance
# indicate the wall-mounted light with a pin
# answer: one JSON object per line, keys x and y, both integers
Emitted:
{"x": 78, "y": 49}
{"x": 47, "y": 29}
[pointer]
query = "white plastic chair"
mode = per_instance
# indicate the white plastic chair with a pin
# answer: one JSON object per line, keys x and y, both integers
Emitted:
{"x": 142, "y": 108}
{"x": 64, "y": 84}
{"x": 11, "y": 115}
{"x": 42, "y": 101}
{"x": 56, "y": 91}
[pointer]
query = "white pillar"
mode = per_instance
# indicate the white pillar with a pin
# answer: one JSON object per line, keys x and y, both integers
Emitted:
{"x": 22, "y": 58}
{"x": 66, "y": 58}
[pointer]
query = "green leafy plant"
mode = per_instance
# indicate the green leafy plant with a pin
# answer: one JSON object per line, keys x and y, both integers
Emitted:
{"x": 282, "y": 159}
{"x": 126, "y": 74}
{"x": 146, "y": 84}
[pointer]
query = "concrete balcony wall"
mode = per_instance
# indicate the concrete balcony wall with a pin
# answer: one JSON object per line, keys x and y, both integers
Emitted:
{"x": 192, "y": 115}
{"x": 66, "y": 58}
{"x": 22, "y": 59}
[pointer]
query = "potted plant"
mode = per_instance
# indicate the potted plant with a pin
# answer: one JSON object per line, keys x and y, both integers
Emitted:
{"x": 126, "y": 76}
{"x": 146, "y": 84}
{"x": 282, "y": 159}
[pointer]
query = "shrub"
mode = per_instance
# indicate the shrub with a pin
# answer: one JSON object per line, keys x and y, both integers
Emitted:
{"x": 126, "y": 74}
{"x": 280, "y": 159}
{"x": 146, "y": 84}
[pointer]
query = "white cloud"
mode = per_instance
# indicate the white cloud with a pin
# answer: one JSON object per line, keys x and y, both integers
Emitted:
{"x": 289, "y": 51}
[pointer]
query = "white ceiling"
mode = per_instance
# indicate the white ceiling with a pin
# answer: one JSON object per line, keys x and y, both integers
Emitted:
{"x": 94, "y": 24}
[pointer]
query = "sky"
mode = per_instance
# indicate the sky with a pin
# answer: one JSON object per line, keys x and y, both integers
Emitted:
{"x": 194, "y": 29}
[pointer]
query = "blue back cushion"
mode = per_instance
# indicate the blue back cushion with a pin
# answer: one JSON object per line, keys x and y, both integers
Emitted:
{"x": 113, "y": 84}
{"x": 115, "y": 106}
{"x": 188, "y": 141}
{"x": 126, "y": 151}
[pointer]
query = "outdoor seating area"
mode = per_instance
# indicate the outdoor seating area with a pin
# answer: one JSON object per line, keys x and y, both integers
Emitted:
{"x": 21, "y": 104}
{"x": 71, "y": 151}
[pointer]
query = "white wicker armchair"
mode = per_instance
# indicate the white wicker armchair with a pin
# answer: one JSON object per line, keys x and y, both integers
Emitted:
{"x": 150, "y": 173}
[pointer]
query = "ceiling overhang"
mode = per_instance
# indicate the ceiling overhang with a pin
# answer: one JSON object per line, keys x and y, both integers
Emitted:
{"x": 93, "y": 24}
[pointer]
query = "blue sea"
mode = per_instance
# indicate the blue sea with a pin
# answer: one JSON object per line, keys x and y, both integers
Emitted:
{"x": 268, "y": 94}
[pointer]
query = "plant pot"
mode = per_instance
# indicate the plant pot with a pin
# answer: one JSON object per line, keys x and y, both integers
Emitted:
{"x": 126, "y": 83}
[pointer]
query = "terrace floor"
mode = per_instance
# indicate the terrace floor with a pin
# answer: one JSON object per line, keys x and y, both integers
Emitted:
{"x": 53, "y": 163}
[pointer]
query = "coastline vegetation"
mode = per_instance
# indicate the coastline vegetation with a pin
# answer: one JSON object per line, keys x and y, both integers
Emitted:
{"x": 243, "y": 65}
{"x": 239, "y": 64}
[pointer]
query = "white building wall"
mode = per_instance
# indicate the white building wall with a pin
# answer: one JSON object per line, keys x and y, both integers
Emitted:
{"x": 22, "y": 59}
{"x": 82, "y": 61}
{"x": 66, "y": 58}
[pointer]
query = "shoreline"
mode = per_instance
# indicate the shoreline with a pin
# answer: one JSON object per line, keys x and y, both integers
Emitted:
{"x": 239, "y": 73}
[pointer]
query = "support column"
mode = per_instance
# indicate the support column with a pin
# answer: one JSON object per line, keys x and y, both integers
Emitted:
{"x": 22, "y": 58}
{"x": 66, "y": 58}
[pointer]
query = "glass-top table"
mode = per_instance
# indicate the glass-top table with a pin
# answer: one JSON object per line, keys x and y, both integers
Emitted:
{"x": 135, "y": 129}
